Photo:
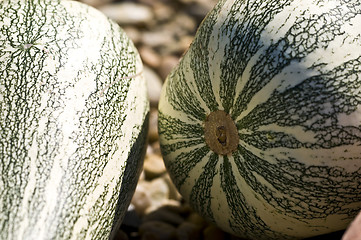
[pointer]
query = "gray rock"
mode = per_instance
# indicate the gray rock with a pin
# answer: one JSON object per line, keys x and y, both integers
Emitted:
{"x": 128, "y": 13}
{"x": 165, "y": 214}
{"x": 133, "y": 33}
{"x": 167, "y": 65}
{"x": 158, "y": 37}
{"x": 141, "y": 199}
{"x": 120, "y": 235}
{"x": 188, "y": 231}
{"x": 153, "y": 122}
{"x": 96, "y": 3}
{"x": 153, "y": 166}
{"x": 157, "y": 230}
{"x": 212, "y": 232}
{"x": 197, "y": 220}
{"x": 150, "y": 57}
{"x": 154, "y": 85}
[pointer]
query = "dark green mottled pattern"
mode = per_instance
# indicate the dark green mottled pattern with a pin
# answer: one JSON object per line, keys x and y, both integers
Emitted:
{"x": 309, "y": 104}
{"x": 130, "y": 179}
{"x": 20, "y": 99}
{"x": 178, "y": 128}
{"x": 199, "y": 59}
{"x": 24, "y": 81}
{"x": 104, "y": 114}
{"x": 201, "y": 196}
{"x": 184, "y": 163}
{"x": 298, "y": 183}
{"x": 243, "y": 46}
{"x": 180, "y": 93}
{"x": 313, "y": 105}
{"x": 297, "y": 43}
{"x": 244, "y": 217}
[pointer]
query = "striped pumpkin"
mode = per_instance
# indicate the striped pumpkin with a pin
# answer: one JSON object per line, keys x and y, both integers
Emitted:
{"x": 260, "y": 123}
{"x": 73, "y": 121}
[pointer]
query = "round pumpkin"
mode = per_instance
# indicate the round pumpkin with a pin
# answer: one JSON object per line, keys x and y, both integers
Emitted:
{"x": 260, "y": 123}
{"x": 73, "y": 121}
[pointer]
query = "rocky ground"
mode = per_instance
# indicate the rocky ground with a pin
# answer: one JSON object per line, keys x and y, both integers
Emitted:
{"x": 161, "y": 30}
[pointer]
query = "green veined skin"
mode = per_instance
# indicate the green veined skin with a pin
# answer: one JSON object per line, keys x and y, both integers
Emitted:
{"x": 73, "y": 121}
{"x": 288, "y": 73}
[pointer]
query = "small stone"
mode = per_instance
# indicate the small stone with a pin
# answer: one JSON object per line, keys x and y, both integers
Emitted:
{"x": 156, "y": 148}
{"x": 141, "y": 198}
{"x": 157, "y": 38}
{"x": 185, "y": 42}
{"x": 153, "y": 166}
{"x": 196, "y": 219}
{"x": 154, "y": 85}
{"x": 212, "y": 232}
{"x": 133, "y": 33}
{"x": 185, "y": 22}
{"x": 159, "y": 194}
{"x": 199, "y": 9}
{"x": 168, "y": 63}
{"x": 163, "y": 12}
{"x": 131, "y": 218}
{"x": 120, "y": 235}
{"x": 188, "y": 231}
{"x": 157, "y": 230}
{"x": 150, "y": 57}
{"x": 153, "y": 125}
{"x": 181, "y": 46}
{"x": 173, "y": 191}
{"x": 128, "y": 13}
{"x": 96, "y": 3}
{"x": 164, "y": 214}
{"x": 149, "y": 236}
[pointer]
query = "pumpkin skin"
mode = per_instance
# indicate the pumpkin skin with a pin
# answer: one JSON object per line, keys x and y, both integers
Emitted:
{"x": 73, "y": 121}
{"x": 288, "y": 74}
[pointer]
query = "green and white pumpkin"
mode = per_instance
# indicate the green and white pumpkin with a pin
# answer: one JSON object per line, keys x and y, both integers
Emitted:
{"x": 73, "y": 121}
{"x": 260, "y": 123}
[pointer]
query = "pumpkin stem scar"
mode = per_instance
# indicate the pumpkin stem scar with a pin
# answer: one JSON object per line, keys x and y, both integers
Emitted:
{"x": 220, "y": 132}
{"x": 101, "y": 93}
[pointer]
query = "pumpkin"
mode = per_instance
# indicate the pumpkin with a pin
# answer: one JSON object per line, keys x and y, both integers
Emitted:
{"x": 260, "y": 122}
{"x": 73, "y": 111}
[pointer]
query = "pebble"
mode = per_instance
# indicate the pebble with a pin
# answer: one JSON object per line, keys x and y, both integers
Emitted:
{"x": 163, "y": 12}
{"x": 121, "y": 235}
{"x": 197, "y": 220}
{"x": 133, "y": 34}
{"x": 128, "y": 13}
{"x": 153, "y": 166}
{"x": 188, "y": 231}
{"x": 213, "y": 233}
{"x": 153, "y": 124}
{"x": 157, "y": 38}
{"x": 164, "y": 214}
{"x": 141, "y": 198}
{"x": 159, "y": 194}
{"x": 154, "y": 85}
{"x": 150, "y": 57}
{"x": 173, "y": 191}
{"x": 184, "y": 24}
{"x": 167, "y": 65}
{"x": 96, "y": 3}
{"x": 157, "y": 230}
